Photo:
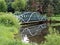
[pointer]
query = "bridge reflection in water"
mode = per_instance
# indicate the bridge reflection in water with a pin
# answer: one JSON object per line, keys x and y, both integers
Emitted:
{"x": 35, "y": 33}
{"x": 34, "y": 26}
{"x": 33, "y": 30}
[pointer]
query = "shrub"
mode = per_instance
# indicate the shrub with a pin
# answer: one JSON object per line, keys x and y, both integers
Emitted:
{"x": 52, "y": 39}
{"x": 6, "y": 31}
{"x": 7, "y": 36}
{"x": 8, "y": 27}
{"x": 3, "y": 6}
{"x": 8, "y": 19}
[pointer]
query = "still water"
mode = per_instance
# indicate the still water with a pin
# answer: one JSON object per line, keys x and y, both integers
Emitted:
{"x": 38, "y": 38}
{"x": 33, "y": 40}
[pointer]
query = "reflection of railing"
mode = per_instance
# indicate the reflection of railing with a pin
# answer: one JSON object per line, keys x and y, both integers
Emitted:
{"x": 33, "y": 30}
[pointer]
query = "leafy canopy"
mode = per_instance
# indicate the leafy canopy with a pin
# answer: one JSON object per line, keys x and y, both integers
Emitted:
{"x": 18, "y": 5}
{"x": 3, "y": 6}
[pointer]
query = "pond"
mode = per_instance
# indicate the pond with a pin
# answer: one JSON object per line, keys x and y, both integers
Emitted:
{"x": 39, "y": 37}
{"x": 34, "y": 27}
{"x": 34, "y": 34}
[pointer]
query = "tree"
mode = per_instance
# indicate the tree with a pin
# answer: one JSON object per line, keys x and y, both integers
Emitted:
{"x": 3, "y": 6}
{"x": 19, "y": 5}
{"x": 43, "y": 6}
{"x": 38, "y": 5}
{"x": 56, "y": 6}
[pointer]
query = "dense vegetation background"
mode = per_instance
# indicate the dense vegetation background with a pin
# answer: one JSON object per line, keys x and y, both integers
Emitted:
{"x": 9, "y": 24}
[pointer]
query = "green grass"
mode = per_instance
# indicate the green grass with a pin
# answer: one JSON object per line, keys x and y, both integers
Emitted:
{"x": 55, "y": 18}
{"x": 55, "y": 24}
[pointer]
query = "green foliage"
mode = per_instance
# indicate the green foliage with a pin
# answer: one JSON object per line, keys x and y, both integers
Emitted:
{"x": 3, "y": 6}
{"x": 53, "y": 38}
{"x": 56, "y": 6}
{"x": 7, "y": 32}
{"x": 7, "y": 36}
{"x": 8, "y": 29}
{"x": 18, "y": 5}
{"x": 8, "y": 19}
{"x": 9, "y": 25}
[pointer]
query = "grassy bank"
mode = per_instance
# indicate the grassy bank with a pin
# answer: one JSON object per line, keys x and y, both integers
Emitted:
{"x": 55, "y": 17}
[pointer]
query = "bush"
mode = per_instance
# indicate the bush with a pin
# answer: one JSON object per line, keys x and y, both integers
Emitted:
{"x": 52, "y": 39}
{"x": 8, "y": 19}
{"x": 7, "y": 36}
{"x": 9, "y": 25}
{"x": 8, "y": 32}
{"x": 8, "y": 29}
{"x": 3, "y": 6}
